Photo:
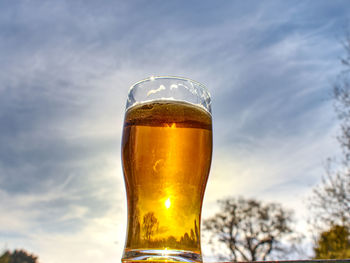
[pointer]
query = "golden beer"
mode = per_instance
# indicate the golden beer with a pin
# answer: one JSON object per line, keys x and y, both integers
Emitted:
{"x": 166, "y": 154}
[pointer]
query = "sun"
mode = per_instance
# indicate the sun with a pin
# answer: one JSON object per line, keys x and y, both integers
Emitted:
{"x": 167, "y": 203}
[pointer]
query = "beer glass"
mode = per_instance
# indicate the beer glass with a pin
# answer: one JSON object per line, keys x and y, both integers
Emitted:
{"x": 166, "y": 155}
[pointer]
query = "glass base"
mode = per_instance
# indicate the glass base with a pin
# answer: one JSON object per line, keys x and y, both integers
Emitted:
{"x": 158, "y": 255}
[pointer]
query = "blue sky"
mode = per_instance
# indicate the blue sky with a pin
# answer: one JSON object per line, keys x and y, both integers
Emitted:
{"x": 66, "y": 67}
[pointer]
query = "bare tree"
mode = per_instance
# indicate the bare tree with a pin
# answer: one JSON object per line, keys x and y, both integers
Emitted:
{"x": 249, "y": 229}
{"x": 330, "y": 201}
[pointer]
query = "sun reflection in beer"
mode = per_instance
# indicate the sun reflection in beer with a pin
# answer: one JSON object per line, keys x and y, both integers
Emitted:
{"x": 167, "y": 203}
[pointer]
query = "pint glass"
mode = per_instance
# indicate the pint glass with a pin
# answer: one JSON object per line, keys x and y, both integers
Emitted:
{"x": 166, "y": 155}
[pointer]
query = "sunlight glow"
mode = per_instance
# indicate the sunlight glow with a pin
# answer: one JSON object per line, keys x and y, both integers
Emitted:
{"x": 167, "y": 203}
{"x": 172, "y": 126}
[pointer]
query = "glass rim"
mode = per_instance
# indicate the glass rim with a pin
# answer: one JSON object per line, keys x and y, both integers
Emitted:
{"x": 153, "y": 78}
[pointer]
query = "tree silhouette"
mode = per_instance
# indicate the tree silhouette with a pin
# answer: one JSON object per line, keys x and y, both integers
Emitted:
{"x": 333, "y": 244}
{"x": 18, "y": 256}
{"x": 5, "y": 258}
{"x": 249, "y": 229}
{"x": 150, "y": 225}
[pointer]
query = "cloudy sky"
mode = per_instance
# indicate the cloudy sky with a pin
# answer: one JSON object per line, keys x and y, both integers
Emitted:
{"x": 65, "y": 70}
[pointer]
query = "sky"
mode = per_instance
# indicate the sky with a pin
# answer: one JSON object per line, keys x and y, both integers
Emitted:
{"x": 65, "y": 71}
